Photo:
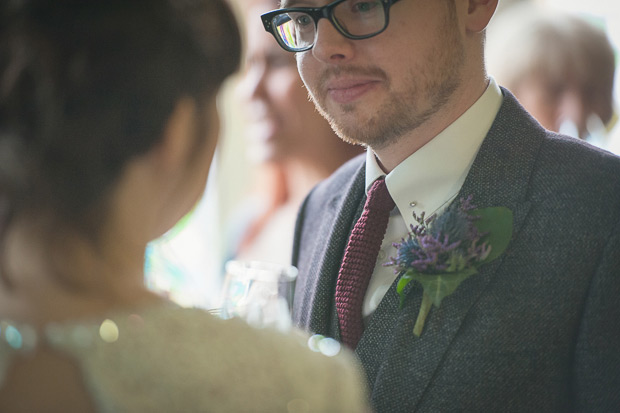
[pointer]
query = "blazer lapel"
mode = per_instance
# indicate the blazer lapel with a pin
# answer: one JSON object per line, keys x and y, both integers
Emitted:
{"x": 314, "y": 299}
{"x": 392, "y": 356}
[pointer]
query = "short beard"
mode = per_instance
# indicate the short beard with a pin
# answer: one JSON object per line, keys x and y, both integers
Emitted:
{"x": 402, "y": 112}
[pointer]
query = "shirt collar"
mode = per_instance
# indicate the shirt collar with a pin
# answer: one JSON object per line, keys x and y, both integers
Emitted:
{"x": 432, "y": 176}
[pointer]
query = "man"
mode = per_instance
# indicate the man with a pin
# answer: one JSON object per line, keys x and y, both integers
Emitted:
{"x": 534, "y": 330}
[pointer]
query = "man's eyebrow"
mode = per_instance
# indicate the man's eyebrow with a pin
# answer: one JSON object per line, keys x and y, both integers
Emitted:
{"x": 285, "y": 4}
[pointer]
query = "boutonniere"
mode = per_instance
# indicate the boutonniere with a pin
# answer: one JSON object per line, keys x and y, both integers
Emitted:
{"x": 443, "y": 251}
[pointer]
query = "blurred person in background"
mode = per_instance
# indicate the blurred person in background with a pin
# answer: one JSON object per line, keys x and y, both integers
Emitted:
{"x": 560, "y": 67}
{"x": 108, "y": 125}
{"x": 290, "y": 143}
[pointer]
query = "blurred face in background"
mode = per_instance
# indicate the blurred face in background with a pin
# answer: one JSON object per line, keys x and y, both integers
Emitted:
{"x": 282, "y": 122}
{"x": 560, "y": 66}
{"x": 568, "y": 104}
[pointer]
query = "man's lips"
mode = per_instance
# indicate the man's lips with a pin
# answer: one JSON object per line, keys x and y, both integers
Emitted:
{"x": 347, "y": 91}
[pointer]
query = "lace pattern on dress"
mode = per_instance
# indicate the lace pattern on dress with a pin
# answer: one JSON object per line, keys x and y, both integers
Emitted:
{"x": 174, "y": 359}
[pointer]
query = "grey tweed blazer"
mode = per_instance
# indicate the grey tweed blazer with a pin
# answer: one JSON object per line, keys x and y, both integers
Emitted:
{"x": 537, "y": 330}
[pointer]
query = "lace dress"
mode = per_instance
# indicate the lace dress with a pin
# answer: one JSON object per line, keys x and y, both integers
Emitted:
{"x": 172, "y": 359}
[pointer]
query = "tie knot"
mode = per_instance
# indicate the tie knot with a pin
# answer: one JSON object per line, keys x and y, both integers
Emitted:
{"x": 379, "y": 197}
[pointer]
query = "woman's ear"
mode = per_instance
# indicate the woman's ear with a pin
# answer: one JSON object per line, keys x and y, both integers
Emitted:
{"x": 479, "y": 14}
{"x": 178, "y": 138}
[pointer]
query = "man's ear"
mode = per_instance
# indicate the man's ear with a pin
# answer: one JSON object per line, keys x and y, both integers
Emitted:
{"x": 178, "y": 136}
{"x": 479, "y": 14}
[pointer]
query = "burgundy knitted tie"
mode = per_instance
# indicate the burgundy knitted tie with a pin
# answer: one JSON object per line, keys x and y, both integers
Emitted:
{"x": 359, "y": 262}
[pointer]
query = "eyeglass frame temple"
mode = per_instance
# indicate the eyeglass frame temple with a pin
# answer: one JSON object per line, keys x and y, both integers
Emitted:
{"x": 317, "y": 13}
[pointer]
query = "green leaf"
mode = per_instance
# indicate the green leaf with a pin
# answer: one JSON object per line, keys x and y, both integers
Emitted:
{"x": 497, "y": 223}
{"x": 400, "y": 287}
{"x": 439, "y": 286}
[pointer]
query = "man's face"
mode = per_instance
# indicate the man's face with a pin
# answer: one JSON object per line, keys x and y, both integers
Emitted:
{"x": 373, "y": 91}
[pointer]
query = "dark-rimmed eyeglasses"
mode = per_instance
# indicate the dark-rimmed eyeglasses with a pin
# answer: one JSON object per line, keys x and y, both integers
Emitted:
{"x": 295, "y": 28}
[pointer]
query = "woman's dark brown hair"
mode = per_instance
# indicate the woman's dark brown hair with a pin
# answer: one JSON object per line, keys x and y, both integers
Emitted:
{"x": 85, "y": 86}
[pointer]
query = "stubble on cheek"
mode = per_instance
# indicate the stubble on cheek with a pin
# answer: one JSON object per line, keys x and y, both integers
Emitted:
{"x": 348, "y": 120}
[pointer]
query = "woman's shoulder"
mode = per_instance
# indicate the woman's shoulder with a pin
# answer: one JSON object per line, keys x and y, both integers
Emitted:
{"x": 187, "y": 358}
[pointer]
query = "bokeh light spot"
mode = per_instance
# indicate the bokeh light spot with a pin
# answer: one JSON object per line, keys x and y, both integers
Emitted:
{"x": 109, "y": 331}
{"x": 321, "y": 344}
{"x": 329, "y": 347}
{"x": 13, "y": 337}
{"x": 313, "y": 342}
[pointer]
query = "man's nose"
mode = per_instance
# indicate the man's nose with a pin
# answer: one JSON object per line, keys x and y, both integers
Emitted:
{"x": 330, "y": 45}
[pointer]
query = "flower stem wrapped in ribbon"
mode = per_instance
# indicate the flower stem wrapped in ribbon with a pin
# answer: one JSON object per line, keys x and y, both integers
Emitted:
{"x": 443, "y": 251}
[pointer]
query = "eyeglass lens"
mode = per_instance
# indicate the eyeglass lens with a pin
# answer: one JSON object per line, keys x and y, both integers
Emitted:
{"x": 355, "y": 18}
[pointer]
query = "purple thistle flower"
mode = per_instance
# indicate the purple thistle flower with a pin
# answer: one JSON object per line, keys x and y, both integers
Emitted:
{"x": 448, "y": 242}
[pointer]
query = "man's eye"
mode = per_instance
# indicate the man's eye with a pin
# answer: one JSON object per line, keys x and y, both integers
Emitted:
{"x": 303, "y": 20}
{"x": 364, "y": 6}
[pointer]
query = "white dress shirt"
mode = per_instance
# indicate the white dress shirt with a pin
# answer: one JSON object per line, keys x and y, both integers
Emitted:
{"x": 427, "y": 181}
